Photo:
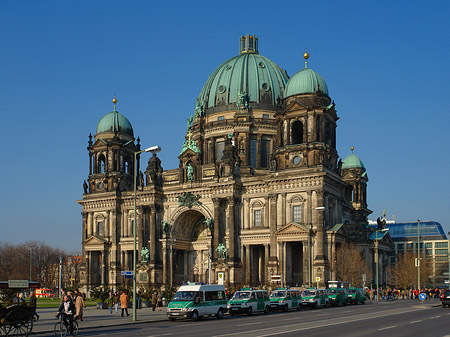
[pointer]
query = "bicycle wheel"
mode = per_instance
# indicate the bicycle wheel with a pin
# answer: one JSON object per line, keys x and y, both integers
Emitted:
{"x": 60, "y": 329}
{"x": 75, "y": 328}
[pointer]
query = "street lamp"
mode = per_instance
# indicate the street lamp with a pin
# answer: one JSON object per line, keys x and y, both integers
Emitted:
{"x": 376, "y": 254}
{"x": 152, "y": 149}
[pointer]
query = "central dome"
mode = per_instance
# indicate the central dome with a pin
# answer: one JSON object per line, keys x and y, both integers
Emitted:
{"x": 262, "y": 80}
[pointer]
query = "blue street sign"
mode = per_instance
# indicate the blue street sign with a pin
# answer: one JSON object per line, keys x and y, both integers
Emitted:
{"x": 129, "y": 276}
{"x": 422, "y": 296}
{"x": 127, "y": 273}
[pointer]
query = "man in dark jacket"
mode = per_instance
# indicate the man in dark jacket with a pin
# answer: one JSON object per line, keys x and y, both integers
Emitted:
{"x": 67, "y": 310}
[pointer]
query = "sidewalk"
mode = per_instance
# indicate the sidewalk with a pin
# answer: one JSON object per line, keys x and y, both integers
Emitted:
{"x": 97, "y": 318}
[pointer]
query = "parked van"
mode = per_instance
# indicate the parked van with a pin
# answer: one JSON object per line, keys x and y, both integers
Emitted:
{"x": 195, "y": 300}
{"x": 356, "y": 295}
{"x": 337, "y": 296}
{"x": 285, "y": 299}
{"x": 314, "y": 298}
{"x": 44, "y": 292}
{"x": 249, "y": 300}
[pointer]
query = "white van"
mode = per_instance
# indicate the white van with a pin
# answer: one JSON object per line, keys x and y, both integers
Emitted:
{"x": 195, "y": 300}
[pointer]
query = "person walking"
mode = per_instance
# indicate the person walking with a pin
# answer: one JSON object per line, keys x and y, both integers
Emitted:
{"x": 124, "y": 302}
{"x": 154, "y": 300}
{"x": 79, "y": 305}
{"x": 111, "y": 302}
{"x": 116, "y": 301}
{"x": 159, "y": 301}
{"x": 33, "y": 302}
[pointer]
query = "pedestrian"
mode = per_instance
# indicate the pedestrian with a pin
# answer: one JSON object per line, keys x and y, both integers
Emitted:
{"x": 124, "y": 302}
{"x": 33, "y": 303}
{"x": 111, "y": 302}
{"x": 116, "y": 301}
{"x": 154, "y": 300}
{"x": 79, "y": 305}
{"x": 159, "y": 301}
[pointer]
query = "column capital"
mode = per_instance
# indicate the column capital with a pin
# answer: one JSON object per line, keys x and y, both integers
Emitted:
{"x": 273, "y": 197}
{"x": 216, "y": 201}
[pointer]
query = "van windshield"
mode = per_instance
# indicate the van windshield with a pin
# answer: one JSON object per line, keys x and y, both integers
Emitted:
{"x": 309, "y": 293}
{"x": 184, "y": 296}
{"x": 279, "y": 293}
{"x": 352, "y": 291}
{"x": 241, "y": 295}
{"x": 332, "y": 291}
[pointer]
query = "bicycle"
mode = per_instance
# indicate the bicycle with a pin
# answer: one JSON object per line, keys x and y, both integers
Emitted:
{"x": 61, "y": 330}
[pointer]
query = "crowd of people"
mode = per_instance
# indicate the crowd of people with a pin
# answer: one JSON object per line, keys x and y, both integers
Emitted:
{"x": 404, "y": 294}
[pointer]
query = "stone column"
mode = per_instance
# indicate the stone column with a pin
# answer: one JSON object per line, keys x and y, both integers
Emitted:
{"x": 85, "y": 225}
{"x": 273, "y": 223}
{"x": 139, "y": 229}
{"x": 248, "y": 269}
{"x": 103, "y": 268}
{"x": 319, "y": 226}
{"x": 153, "y": 238}
{"x": 246, "y": 213}
{"x": 266, "y": 223}
{"x": 231, "y": 229}
{"x": 88, "y": 270}
{"x": 216, "y": 233}
{"x": 258, "y": 151}
{"x": 166, "y": 264}
{"x": 266, "y": 260}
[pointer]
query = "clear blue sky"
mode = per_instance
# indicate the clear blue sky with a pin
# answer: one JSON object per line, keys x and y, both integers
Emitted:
{"x": 386, "y": 64}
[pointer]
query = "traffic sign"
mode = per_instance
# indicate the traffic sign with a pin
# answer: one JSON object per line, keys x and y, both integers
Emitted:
{"x": 127, "y": 273}
{"x": 422, "y": 296}
{"x": 318, "y": 279}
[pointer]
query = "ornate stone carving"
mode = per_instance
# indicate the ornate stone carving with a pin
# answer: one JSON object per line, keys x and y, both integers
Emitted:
{"x": 188, "y": 199}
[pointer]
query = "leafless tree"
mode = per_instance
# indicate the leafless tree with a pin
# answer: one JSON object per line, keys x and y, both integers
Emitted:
{"x": 351, "y": 265}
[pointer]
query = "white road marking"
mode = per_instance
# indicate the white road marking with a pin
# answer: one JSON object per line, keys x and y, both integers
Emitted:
{"x": 388, "y": 327}
{"x": 415, "y": 321}
{"x": 291, "y": 319}
{"x": 249, "y": 323}
{"x": 164, "y": 334}
{"x": 435, "y": 317}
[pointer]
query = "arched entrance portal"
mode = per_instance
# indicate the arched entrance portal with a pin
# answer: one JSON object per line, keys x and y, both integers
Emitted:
{"x": 190, "y": 251}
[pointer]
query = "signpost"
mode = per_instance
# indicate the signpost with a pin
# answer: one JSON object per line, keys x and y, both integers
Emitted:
{"x": 18, "y": 284}
{"x": 220, "y": 277}
{"x": 318, "y": 280}
{"x": 127, "y": 273}
{"x": 422, "y": 297}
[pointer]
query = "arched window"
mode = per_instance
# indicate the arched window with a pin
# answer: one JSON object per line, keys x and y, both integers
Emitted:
{"x": 297, "y": 132}
{"x": 101, "y": 164}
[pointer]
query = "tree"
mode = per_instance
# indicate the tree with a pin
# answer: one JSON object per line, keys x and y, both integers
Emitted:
{"x": 405, "y": 271}
{"x": 351, "y": 265}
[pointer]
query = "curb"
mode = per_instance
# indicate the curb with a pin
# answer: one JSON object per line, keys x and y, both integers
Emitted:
{"x": 105, "y": 325}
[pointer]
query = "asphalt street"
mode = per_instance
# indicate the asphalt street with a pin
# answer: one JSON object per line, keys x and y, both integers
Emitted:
{"x": 399, "y": 318}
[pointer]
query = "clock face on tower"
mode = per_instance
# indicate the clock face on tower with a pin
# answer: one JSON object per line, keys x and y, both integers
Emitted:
{"x": 296, "y": 160}
{"x": 100, "y": 186}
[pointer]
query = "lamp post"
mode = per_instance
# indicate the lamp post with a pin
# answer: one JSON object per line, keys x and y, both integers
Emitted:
{"x": 418, "y": 255}
{"x": 153, "y": 149}
{"x": 376, "y": 254}
{"x": 448, "y": 254}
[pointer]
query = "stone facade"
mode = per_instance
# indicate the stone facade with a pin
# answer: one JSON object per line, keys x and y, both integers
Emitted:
{"x": 263, "y": 180}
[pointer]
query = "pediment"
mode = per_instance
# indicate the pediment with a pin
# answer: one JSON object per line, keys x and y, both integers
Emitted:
{"x": 338, "y": 229}
{"x": 95, "y": 240}
{"x": 292, "y": 228}
{"x": 294, "y": 106}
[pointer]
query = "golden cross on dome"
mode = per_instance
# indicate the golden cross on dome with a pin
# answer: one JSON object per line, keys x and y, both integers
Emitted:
{"x": 189, "y": 135}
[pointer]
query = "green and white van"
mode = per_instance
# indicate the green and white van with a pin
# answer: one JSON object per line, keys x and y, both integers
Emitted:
{"x": 195, "y": 300}
{"x": 355, "y": 295}
{"x": 285, "y": 299}
{"x": 249, "y": 300}
{"x": 337, "y": 296}
{"x": 315, "y": 298}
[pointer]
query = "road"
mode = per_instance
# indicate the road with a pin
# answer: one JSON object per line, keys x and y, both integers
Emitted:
{"x": 399, "y": 318}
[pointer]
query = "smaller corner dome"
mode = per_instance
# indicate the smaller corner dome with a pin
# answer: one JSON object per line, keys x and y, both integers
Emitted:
{"x": 114, "y": 122}
{"x": 306, "y": 81}
{"x": 352, "y": 161}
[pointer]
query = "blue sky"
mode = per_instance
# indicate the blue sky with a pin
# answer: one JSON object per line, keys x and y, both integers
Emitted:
{"x": 386, "y": 65}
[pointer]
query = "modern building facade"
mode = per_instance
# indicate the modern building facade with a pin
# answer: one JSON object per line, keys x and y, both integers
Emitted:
{"x": 260, "y": 189}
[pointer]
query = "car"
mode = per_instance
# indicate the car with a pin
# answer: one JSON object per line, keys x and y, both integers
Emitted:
{"x": 315, "y": 298}
{"x": 285, "y": 299}
{"x": 337, "y": 296}
{"x": 445, "y": 298}
{"x": 356, "y": 295}
{"x": 196, "y": 300}
{"x": 249, "y": 300}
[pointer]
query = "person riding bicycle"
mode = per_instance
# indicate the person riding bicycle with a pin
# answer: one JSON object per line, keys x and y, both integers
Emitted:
{"x": 67, "y": 310}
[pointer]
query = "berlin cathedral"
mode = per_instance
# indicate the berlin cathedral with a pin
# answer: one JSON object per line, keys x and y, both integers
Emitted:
{"x": 260, "y": 196}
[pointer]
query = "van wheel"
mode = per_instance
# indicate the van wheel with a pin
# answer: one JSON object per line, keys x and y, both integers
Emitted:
{"x": 219, "y": 314}
{"x": 285, "y": 308}
{"x": 299, "y": 307}
{"x": 266, "y": 310}
{"x": 172, "y": 319}
{"x": 249, "y": 311}
{"x": 195, "y": 315}
{"x": 314, "y": 306}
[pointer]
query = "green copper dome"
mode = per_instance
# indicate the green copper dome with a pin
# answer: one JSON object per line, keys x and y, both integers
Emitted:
{"x": 306, "y": 81}
{"x": 352, "y": 161}
{"x": 115, "y": 122}
{"x": 257, "y": 76}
